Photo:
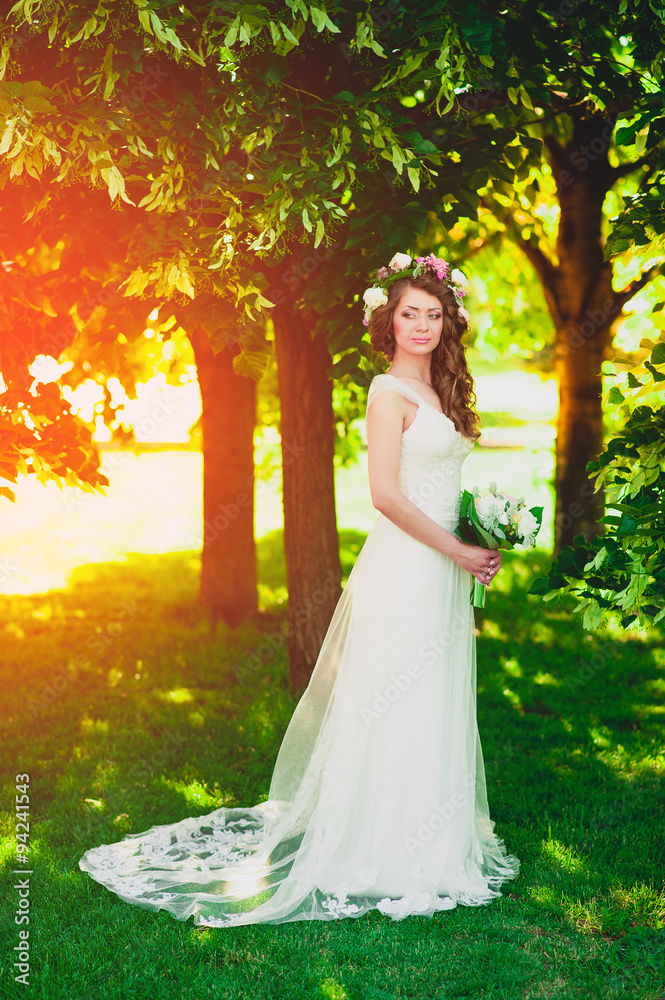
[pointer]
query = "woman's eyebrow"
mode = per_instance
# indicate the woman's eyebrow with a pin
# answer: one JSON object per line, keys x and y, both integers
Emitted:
{"x": 431, "y": 308}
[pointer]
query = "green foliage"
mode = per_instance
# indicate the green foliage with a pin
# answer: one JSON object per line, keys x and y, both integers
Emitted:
{"x": 222, "y": 138}
{"x": 642, "y": 220}
{"x": 209, "y": 145}
{"x": 623, "y": 571}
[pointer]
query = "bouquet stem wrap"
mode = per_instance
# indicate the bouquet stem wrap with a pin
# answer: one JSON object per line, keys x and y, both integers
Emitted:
{"x": 478, "y": 596}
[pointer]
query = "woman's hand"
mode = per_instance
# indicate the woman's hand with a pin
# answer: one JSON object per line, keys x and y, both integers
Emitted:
{"x": 484, "y": 564}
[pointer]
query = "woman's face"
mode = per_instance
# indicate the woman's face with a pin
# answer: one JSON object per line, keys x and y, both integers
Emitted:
{"x": 417, "y": 322}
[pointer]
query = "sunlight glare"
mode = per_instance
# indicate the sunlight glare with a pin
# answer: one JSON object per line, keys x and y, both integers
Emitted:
{"x": 46, "y": 369}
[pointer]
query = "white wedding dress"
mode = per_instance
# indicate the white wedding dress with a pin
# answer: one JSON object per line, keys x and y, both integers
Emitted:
{"x": 377, "y": 798}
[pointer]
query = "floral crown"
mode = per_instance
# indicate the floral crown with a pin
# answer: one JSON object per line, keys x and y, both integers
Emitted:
{"x": 403, "y": 265}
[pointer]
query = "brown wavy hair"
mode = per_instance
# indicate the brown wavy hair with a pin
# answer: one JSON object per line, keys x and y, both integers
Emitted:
{"x": 450, "y": 373}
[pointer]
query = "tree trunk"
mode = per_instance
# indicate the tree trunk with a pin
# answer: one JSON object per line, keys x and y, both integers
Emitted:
{"x": 587, "y": 308}
{"x": 228, "y": 583}
{"x": 311, "y": 547}
{"x": 580, "y": 432}
{"x": 584, "y": 308}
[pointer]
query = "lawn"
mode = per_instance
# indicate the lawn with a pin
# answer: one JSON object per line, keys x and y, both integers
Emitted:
{"x": 126, "y": 712}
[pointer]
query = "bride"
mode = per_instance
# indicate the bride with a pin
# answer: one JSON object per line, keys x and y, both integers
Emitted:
{"x": 378, "y": 796}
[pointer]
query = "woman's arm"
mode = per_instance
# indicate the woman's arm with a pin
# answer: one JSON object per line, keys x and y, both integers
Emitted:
{"x": 383, "y": 429}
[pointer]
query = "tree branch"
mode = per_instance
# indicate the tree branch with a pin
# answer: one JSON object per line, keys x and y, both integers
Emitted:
{"x": 646, "y": 175}
{"x": 623, "y": 169}
{"x": 555, "y": 149}
{"x": 626, "y": 294}
{"x": 546, "y": 271}
{"x": 487, "y": 241}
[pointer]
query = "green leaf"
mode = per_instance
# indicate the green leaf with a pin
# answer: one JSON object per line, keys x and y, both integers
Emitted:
{"x": 627, "y": 526}
{"x": 625, "y": 135}
{"x": 306, "y": 220}
{"x": 526, "y": 100}
{"x": 288, "y": 34}
{"x": 615, "y": 396}
{"x": 346, "y": 364}
{"x": 321, "y": 20}
{"x": 414, "y": 177}
{"x": 658, "y": 354}
{"x": 37, "y": 105}
{"x": 232, "y": 34}
{"x": 320, "y": 232}
{"x": 318, "y": 18}
{"x": 278, "y": 68}
{"x": 398, "y": 159}
{"x": 655, "y": 374}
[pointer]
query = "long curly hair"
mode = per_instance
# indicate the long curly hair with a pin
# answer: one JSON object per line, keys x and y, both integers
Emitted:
{"x": 450, "y": 373}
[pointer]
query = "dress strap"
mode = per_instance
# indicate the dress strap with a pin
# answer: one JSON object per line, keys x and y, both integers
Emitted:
{"x": 382, "y": 383}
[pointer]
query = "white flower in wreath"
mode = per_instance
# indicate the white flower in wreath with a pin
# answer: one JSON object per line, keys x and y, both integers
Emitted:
{"x": 400, "y": 261}
{"x": 374, "y": 297}
{"x": 464, "y": 314}
{"x": 458, "y": 278}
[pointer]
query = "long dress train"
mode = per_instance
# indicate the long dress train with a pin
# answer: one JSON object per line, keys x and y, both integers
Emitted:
{"x": 378, "y": 797}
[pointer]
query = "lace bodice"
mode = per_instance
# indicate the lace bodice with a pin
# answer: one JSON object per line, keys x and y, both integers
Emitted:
{"x": 433, "y": 452}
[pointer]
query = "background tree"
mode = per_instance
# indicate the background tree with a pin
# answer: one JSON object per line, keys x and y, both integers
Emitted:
{"x": 573, "y": 76}
{"x": 623, "y": 572}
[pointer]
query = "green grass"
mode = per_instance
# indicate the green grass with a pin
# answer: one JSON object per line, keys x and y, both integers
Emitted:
{"x": 159, "y": 721}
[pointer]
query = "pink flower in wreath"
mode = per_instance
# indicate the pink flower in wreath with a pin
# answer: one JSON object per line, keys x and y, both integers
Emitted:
{"x": 440, "y": 267}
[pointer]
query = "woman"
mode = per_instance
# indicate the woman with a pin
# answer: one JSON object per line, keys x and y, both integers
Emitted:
{"x": 377, "y": 799}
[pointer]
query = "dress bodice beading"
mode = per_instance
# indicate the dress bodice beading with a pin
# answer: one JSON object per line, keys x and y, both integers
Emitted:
{"x": 432, "y": 455}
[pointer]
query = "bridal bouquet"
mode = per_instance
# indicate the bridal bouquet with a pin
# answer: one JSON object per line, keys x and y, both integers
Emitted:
{"x": 495, "y": 520}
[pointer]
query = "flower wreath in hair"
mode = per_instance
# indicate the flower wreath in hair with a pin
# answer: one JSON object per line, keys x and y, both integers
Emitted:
{"x": 403, "y": 265}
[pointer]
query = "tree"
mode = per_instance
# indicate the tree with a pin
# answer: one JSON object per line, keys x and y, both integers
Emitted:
{"x": 242, "y": 175}
{"x": 261, "y": 144}
{"x": 574, "y": 78}
{"x": 584, "y": 306}
{"x": 623, "y": 572}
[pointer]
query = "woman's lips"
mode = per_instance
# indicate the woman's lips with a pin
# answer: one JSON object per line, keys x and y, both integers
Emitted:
{"x": 421, "y": 340}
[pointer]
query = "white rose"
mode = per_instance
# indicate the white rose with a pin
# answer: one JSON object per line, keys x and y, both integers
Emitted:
{"x": 526, "y": 523}
{"x": 458, "y": 278}
{"x": 464, "y": 314}
{"x": 490, "y": 511}
{"x": 374, "y": 297}
{"x": 400, "y": 261}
